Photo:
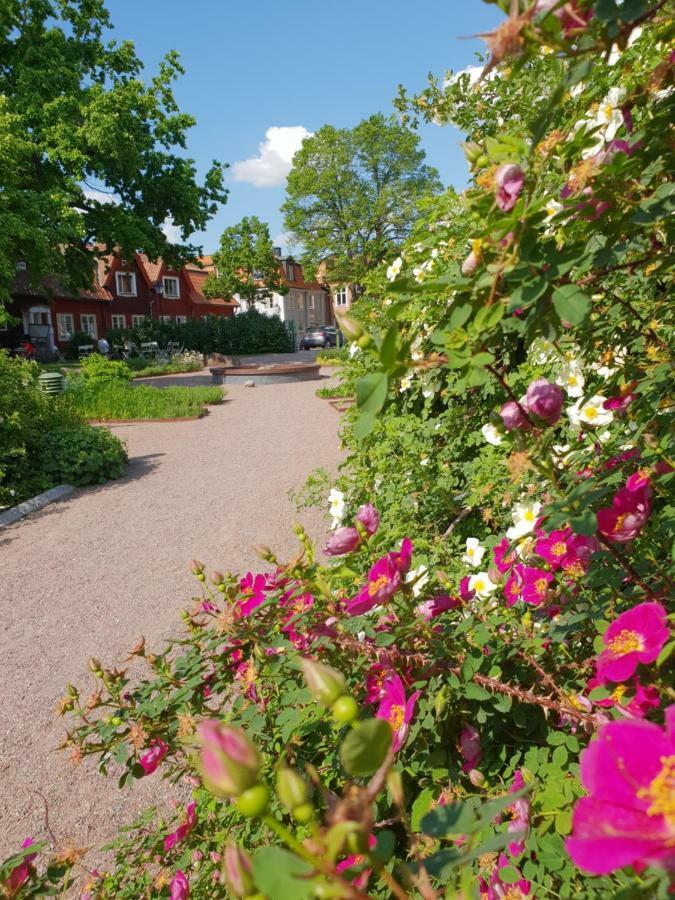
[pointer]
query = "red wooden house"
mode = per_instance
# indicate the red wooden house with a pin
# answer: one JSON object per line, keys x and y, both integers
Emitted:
{"x": 123, "y": 293}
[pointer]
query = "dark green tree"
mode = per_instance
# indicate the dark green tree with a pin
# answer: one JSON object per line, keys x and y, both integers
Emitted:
{"x": 77, "y": 119}
{"x": 352, "y": 196}
{"x": 245, "y": 263}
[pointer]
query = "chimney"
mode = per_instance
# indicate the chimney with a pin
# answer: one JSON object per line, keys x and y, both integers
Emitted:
{"x": 277, "y": 252}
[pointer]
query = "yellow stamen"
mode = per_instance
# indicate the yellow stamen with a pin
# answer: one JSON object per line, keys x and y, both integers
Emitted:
{"x": 375, "y": 586}
{"x": 396, "y": 716}
{"x": 625, "y": 642}
{"x": 559, "y": 549}
{"x": 661, "y": 791}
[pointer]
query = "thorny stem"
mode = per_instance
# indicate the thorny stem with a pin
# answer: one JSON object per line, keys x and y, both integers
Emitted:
{"x": 626, "y": 565}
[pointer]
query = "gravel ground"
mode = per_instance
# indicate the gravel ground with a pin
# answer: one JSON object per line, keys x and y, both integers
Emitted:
{"x": 88, "y": 575}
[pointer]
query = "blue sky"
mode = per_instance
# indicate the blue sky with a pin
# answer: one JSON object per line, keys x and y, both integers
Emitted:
{"x": 252, "y": 66}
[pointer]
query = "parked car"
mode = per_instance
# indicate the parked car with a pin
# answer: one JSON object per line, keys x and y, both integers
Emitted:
{"x": 321, "y": 336}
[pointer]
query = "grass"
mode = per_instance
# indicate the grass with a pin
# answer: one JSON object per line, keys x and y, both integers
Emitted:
{"x": 150, "y": 369}
{"x": 115, "y": 400}
{"x": 333, "y": 356}
{"x": 331, "y": 393}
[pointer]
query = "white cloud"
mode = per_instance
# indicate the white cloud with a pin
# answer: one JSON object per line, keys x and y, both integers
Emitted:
{"x": 171, "y": 232}
{"x": 472, "y": 71}
{"x": 100, "y": 196}
{"x": 273, "y": 162}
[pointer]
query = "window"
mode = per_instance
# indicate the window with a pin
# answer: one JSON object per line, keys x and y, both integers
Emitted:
{"x": 65, "y": 322}
{"x": 166, "y": 319}
{"x": 118, "y": 321}
{"x": 290, "y": 271}
{"x": 181, "y": 320}
{"x": 136, "y": 321}
{"x": 126, "y": 284}
{"x": 88, "y": 324}
{"x": 341, "y": 296}
{"x": 171, "y": 288}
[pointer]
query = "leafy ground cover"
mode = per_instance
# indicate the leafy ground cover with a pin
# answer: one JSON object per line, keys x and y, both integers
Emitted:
{"x": 44, "y": 441}
{"x": 113, "y": 400}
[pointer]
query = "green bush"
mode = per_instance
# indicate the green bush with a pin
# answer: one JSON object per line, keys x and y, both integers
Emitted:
{"x": 80, "y": 455}
{"x": 44, "y": 440}
{"x": 246, "y": 333}
{"x": 97, "y": 369}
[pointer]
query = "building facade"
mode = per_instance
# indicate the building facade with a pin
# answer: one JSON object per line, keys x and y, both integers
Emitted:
{"x": 124, "y": 292}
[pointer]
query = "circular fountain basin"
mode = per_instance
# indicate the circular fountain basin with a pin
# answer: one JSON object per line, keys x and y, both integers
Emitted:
{"x": 260, "y": 373}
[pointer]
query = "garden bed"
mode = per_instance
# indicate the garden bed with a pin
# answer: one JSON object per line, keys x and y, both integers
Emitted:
{"x": 112, "y": 401}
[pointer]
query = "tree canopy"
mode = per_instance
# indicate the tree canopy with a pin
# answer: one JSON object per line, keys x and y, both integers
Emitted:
{"x": 352, "y": 195}
{"x": 245, "y": 263}
{"x": 78, "y": 122}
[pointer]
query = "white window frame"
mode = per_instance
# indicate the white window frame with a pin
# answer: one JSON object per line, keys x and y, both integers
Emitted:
{"x": 341, "y": 296}
{"x": 85, "y": 329}
{"x": 120, "y": 292}
{"x": 65, "y": 334}
{"x": 166, "y": 319}
{"x": 181, "y": 320}
{"x": 171, "y": 278}
{"x": 116, "y": 317}
{"x": 137, "y": 320}
{"x": 290, "y": 270}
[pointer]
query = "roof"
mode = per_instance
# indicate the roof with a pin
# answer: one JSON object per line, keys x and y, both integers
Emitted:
{"x": 196, "y": 278}
{"x": 51, "y": 286}
{"x": 298, "y": 280}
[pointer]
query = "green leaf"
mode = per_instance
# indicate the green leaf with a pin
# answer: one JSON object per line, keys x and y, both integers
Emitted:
{"x": 280, "y": 875}
{"x": 363, "y": 426}
{"x": 389, "y": 348}
{"x": 509, "y": 874}
{"x": 371, "y": 392}
{"x": 421, "y": 807}
{"x": 571, "y": 304}
{"x": 527, "y": 294}
{"x": 457, "y": 818}
{"x": 364, "y": 749}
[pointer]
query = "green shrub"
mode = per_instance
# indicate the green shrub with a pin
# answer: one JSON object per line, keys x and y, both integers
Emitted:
{"x": 333, "y": 356}
{"x": 246, "y": 333}
{"x": 80, "y": 455}
{"x": 44, "y": 441}
{"x": 97, "y": 368}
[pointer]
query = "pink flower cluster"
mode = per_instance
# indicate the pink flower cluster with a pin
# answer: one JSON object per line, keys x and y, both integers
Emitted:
{"x": 345, "y": 540}
{"x": 631, "y": 507}
{"x": 628, "y": 817}
{"x": 384, "y": 579}
{"x": 561, "y": 550}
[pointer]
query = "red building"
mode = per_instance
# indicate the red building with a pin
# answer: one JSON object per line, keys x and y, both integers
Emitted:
{"x": 123, "y": 293}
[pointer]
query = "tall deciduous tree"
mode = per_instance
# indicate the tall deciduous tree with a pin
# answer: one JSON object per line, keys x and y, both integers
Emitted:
{"x": 352, "y": 195}
{"x": 78, "y": 123}
{"x": 245, "y": 263}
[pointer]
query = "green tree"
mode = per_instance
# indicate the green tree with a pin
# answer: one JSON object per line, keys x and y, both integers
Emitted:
{"x": 245, "y": 263}
{"x": 352, "y": 196}
{"x": 76, "y": 119}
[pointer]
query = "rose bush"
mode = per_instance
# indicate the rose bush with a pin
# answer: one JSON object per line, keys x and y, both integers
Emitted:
{"x": 469, "y": 694}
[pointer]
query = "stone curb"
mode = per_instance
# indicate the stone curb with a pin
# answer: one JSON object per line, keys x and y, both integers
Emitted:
{"x": 10, "y": 516}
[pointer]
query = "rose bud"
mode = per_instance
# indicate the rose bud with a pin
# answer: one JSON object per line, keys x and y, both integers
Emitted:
{"x": 342, "y": 541}
{"x": 513, "y": 416}
{"x": 196, "y": 567}
{"x": 350, "y": 327}
{"x": 324, "y": 682}
{"x": 509, "y": 180}
{"x": 476, "y": 778}
{"x": 238, "y": 871}
{"x": 470, "y": 264}
{"x": 545, "y": 400}
{"x": 229, "y": 761}
{"x": 292, "y": 789}
{"x": 369, "y": 517}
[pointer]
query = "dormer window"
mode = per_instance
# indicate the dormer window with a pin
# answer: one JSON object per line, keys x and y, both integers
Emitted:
{"x": 126, "y": 284}
{"x": 341, "y": 296}
{"x": 290, "y": 270}
{"x": 171, "y": 287}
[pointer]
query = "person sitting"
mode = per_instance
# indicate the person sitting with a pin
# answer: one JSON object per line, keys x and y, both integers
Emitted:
{"x": 27, "y": 347}
{"x": 103, "y": 347}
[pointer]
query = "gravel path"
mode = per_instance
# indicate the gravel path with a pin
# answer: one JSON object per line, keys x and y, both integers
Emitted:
{"x": 88, "y": 575}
